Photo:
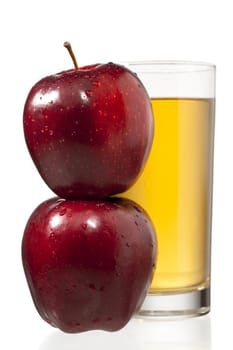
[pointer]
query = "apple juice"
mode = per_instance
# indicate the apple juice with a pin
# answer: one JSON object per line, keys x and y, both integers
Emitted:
{"x": 175, "y": 189}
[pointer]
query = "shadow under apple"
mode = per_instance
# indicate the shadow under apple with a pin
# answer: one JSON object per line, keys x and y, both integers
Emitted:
{"x": 193, "y": 333}
{"x": 98, "y": 340}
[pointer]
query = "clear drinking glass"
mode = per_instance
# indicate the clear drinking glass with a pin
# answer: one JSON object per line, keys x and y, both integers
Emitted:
{"x": 175, "y": 187}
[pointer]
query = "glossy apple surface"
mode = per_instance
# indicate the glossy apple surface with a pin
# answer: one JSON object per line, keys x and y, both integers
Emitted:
{"x": 89, "y": 131}
{"x": 88, "y": 264}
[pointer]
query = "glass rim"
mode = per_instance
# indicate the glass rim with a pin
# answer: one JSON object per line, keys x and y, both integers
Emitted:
{"x": 173, "y": 66}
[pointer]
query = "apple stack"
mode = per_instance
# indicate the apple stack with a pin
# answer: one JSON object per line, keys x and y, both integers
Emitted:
{"x": 88, "y": 257}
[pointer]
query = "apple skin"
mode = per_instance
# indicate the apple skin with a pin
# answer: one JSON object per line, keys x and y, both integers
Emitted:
{"x": 88, "y": 264}
{"x": 89, "y": 131}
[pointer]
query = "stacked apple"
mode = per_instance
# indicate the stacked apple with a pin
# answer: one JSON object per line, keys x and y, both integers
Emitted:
{"x": 88, "y": 257}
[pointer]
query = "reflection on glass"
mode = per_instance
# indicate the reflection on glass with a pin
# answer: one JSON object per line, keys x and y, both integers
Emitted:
{"x": 192, "y": 333}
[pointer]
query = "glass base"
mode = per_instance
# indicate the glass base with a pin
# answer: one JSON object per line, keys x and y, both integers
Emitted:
{"x": 194, "y": 303}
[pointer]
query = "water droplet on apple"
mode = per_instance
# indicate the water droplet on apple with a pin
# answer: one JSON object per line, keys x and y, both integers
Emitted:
{"x": 46, "y": 128}
{"x": 62, "y": 211}
{"x": 96, "y": 83}
{"x": 84, "y": 226}
{"x": 92, "y": 286}
{"x": 117, "y": 274}
{"x": 89, "y": 93}
{"x": 127, "y": 245}
{"x": 32, "y": 119}
{"x": 96, "y": 320}
{"x": 83, "y": 96}
{"x": 137, "y": 209}
{"x": 51, "y": 132}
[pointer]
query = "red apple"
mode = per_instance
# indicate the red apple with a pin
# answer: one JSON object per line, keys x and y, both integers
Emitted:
{"x": 88, "y": 263}
{"x": 89, "y": 130}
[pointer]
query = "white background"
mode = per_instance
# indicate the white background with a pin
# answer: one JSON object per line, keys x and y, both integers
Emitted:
{"x": 31, "y": 39}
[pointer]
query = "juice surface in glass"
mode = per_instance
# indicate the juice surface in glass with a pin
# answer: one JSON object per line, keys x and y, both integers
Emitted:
{"x": 175, "y": 190}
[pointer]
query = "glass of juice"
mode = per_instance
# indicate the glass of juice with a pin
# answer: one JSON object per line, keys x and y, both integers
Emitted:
{"x": 175, "y": 187}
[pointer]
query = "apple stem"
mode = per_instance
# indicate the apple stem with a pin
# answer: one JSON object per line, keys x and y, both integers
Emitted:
{"x": 69, "y": 48}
